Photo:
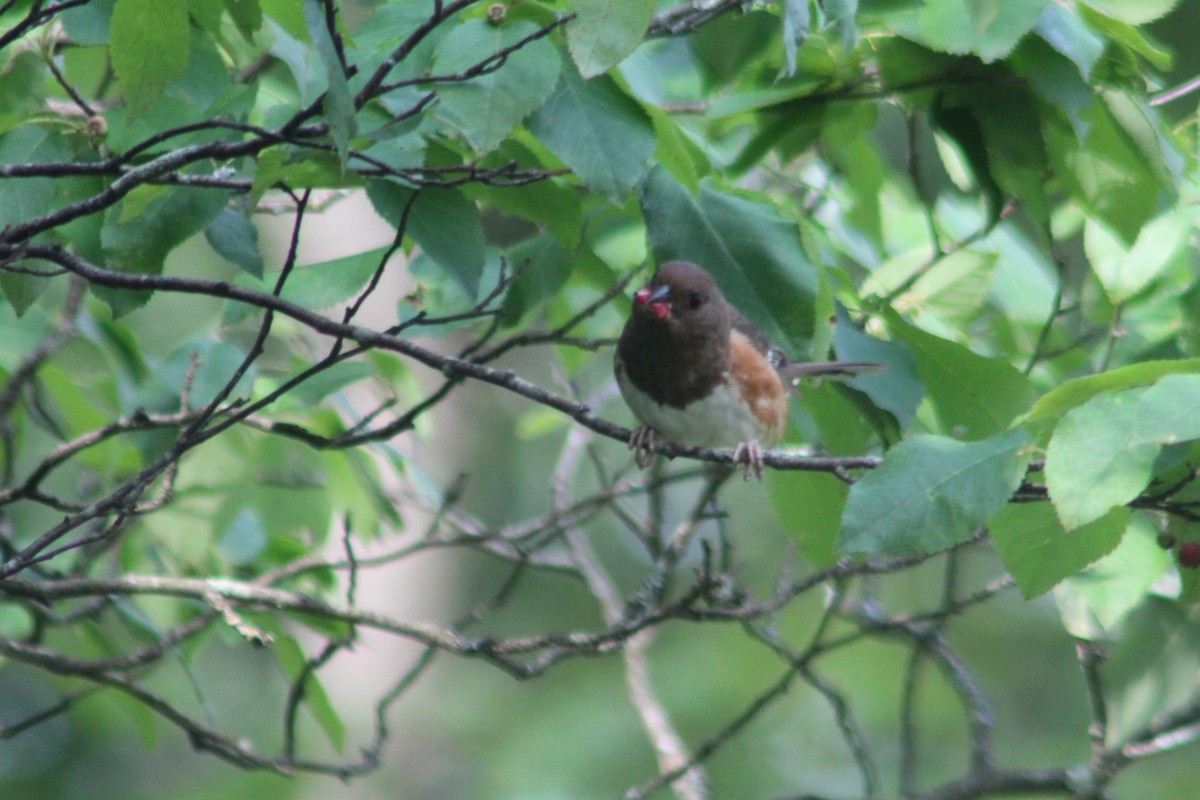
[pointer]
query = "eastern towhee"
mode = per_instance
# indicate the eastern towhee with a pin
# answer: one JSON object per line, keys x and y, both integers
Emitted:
{"x": 696, "y": 372}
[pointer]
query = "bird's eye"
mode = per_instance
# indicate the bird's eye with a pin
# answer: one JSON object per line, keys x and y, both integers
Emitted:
{"x": 695, "y": 300}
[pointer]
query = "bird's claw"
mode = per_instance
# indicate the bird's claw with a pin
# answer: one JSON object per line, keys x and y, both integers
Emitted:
{"x": 642, "y": 442}
{"x": 752, "y": 453}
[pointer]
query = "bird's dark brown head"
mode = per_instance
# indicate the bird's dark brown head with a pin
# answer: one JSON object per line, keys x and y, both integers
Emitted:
{"x": 681, "y": 294}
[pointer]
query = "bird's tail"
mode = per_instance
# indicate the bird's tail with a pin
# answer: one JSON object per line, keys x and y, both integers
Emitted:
{"x": 827, "y": 370}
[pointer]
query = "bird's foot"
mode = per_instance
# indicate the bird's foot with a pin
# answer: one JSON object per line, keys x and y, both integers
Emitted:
{"x": 642, "y": 442}
{"x": 751, "y": 452}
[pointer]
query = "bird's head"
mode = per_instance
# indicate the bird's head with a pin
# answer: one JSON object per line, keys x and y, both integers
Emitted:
{"x": 680, "y": 292}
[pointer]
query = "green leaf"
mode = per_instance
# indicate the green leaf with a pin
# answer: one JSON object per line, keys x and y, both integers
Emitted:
{"x": 488, "y": 107}
{"x": 1076, "y": 392}
{"x": 542, "y": 267}
{"x": 809, "y": 507}
{"x": 244, "y": 538}
{"x": 987, "y": 28}
{"x": 233, "y": 236}
{"x": 1095, "y": 602}
{"x": 338, "y": 102}
{"x": 931, "y": 493}
{"x": 1169, "y": 411}
{"x": 974, "y": 396}
{"x": 1135, "y": 12}
{"x": 246, "y": 15}
{"x": 897, "y": 389}
{"x": 443, "y": 222}
{"x": 326, "y": 283}
{"x": 1126, "y": 35}
{"x": 328, "y": 381}
{"x": 796, "y": 22}
{"x": 139, "y": 242}
{"x": 149, "y": 48}
{"x": 605, "y": 31}
{"x": 1092, "y": 463}
{"x": 1070, "y": 35}
{"x": 294, "y": 663}
{"x": 754, "y": 252}
{"x": 1039, "y": 553}
{"x": 22, "y": 199}
{"x": 1123, "y": 270}
{"x": 598, "y": 131}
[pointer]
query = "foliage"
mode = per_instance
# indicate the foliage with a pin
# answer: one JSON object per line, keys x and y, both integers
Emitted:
{"x": 202, "y": 435}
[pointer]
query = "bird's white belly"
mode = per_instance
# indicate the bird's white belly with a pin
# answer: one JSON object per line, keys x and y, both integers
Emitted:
{"x": 723, "y": 419}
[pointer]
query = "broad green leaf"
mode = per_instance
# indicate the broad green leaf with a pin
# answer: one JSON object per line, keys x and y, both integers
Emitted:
{"x": 598, "y": 131}
{"x": 1039, "y": 553}
{"x": 22, "y": 199}
{"x": 1070, "y": 35}
{"x": 22, "y": 89}
{"x": 1169, "y": 411}
{"x": 987, "y": 28}
{"x": 487, "y": 108}
{"x": 247, "y": 15}
{"x": 1092, "y": 463}
{"x": 754, "y": 252}
{"x": 443, "y": 222}
{"x": 326, "y": 283}
{"x": 542, "y": 266}
{"x": 1126, "y": 35}
{"x": 1123, "y": 270}
{"x": 139, "y": 243}
{"x": 1076, "y": 392}
{"x": 809, "y": 507}
{"x": 1134, "y": 12}
{"x": 300, "y": 171}
{"x": 974, "y": 396}
{"x": 338, "y": 102}
{"x": 149, "y": 47}
{"x": 605, "y": 31}
{"x": 1096, "y": 601}
{"x": 897, "y": 389}
{"x": 233, "y": 236}
{"x": 931, "y": 493}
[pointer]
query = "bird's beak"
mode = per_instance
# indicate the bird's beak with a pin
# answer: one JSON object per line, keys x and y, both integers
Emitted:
{"x": 657, "y": 299}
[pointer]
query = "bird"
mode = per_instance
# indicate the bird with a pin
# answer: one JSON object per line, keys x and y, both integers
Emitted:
{"x": 695, "y": 371}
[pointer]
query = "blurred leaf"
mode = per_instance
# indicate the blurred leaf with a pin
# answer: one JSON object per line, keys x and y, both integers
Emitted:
{"x": 605, "y": 31}
{"x": 294, "y": 662}
{"x": 246, "y": 15}
{"x": 600, "y": 132}
{"x": 809, "y": 506}
{"x": 1126, "y": 35}
{"x": 1078, "y": 391}
{"x": 244, "y": 538}
{"x": 340, "y": 112}
{"x": 487, "y": 108}
{"x": 149, "y": 47}
{"x": 987, "y": 28}
{"x": 1092, "y": 464}
{"x": 330, "y": 380}
{"x": 796, "y": 22}
{"x": 974, "y": 396}
{"x": 1124, "y": 271}
{"x": 1070, "y": 35}
{"x": 1134, "y": 12}
{"x": 931, "y": 493}
{"x": 233, "y": 236}
{"x": 753, "y": 251}
{"x": 1039, "y": 553}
